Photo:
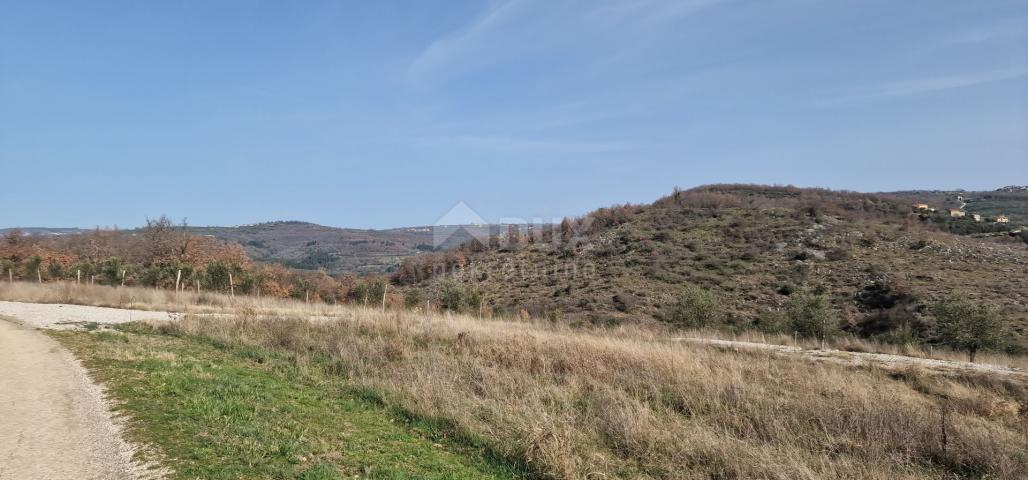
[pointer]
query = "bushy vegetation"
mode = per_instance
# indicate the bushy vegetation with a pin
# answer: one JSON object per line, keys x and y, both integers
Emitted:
{"x": 969, "y": 326}
{"x": 695, "y": 308}
{"x": 811, "y": 315}
{"x": 455, "y": 297}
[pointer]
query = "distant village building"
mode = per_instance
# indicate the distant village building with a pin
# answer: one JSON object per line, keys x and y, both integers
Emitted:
{"x": 1002, "y": 219}
{"x": 921, "y": 206}
{"x": 956, "y": 213}
{"x": 976, "y": 217}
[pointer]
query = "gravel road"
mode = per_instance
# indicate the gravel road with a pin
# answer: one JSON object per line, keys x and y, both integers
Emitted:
{"x": 55, "y": 423}
{"x": 61, "y": 316}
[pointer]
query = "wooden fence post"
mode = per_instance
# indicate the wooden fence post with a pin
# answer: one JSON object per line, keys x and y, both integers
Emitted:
{"x": 78, "y": 276}
{"x": 198, "y": 285}
{"x": 123, "y": 278}
{"x": 385, "y": 288}
{"x": 10, "y": 275}
{"x": 231, "y": 285}
{"x": 178, "y": 281}
{"x": 39, "y": 275}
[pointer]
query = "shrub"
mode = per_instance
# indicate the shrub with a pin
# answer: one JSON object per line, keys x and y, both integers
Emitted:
{"x": 811, "y": 315}
{"x": 696, "y": 307}
{"x": 412, "y": 298}
{"x": 772, "y": 321}
{"x": 968, "y": 326}
{"x": 457, "y": 298}
{"x": 624, "y": 302}
{"x": 367, "y": 292}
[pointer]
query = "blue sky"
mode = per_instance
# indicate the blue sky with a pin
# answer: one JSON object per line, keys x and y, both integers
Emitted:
{"x": 381, "y": 114}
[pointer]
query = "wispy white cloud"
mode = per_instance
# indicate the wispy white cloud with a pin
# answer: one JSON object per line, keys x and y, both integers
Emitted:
{"x": 920, "y": 86}
{"x": 462, "y": 42}
{"x": 516, "y": 28}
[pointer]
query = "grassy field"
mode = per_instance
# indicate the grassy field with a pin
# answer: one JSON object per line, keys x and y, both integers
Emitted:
{"x": 219, "y": 304}
{"x": 287, "y": 391}
{"x": 219, "y": 412}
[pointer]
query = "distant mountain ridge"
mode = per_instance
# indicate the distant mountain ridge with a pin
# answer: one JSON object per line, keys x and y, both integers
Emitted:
{"x": 311, "y": 246}
{"x": 46, "y": 231}
{"x": 338, "y": 250}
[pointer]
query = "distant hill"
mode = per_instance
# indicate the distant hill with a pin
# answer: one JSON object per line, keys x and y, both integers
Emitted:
{"x": 310, "y": 246}
{"x": 46, "y": 231}
{"x": 338, "y": 250}
{"x": 1011, "y": 201}
{"x": 753, "y": 247}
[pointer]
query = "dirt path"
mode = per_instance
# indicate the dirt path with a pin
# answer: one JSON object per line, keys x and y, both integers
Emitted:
{"x": 54, "y": 422}
{"x": 883, "y": 360}
{"x": 60, "y": 316}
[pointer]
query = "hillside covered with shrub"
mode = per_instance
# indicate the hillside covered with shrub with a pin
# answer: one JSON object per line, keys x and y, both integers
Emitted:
{"x": 741, "y": 257}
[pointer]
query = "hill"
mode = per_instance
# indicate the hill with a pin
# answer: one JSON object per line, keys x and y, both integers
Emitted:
{"x": 308, "y": 246}
{"x": 752, "y": 248}
{"x": 1011, "y": 201}
{"x": 45, "y": 231}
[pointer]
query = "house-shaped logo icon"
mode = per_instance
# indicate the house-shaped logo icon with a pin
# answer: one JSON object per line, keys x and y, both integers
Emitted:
{"x": 460, "y": 224}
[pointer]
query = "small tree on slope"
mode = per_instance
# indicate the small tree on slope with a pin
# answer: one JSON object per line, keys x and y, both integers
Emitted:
{"x": 968, "y": 326}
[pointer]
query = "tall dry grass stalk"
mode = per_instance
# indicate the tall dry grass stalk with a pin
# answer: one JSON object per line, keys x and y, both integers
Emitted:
{"x": 624, "y": 404}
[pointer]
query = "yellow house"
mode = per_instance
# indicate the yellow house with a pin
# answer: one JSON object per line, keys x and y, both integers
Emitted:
{"x": 1002, "y": 219}
{"x": 976, "y": 217}
{"x": 956, "y": 213}
{"x": 920, "y": 206}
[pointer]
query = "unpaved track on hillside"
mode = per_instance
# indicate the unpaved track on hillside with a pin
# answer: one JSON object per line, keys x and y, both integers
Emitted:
{"x": 54, "y": 421}
{"x": 863, "y": 359}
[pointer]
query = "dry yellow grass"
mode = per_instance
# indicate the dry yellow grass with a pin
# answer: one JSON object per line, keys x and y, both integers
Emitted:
{"x": 154, "y": 299}
{"x": 623, "y": 403}
{"x": 190, "y": 302}
{"x": 855, "y": 344}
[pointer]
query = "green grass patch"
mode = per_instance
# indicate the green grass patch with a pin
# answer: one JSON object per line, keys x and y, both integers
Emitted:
{"x": 224, "y": 412}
